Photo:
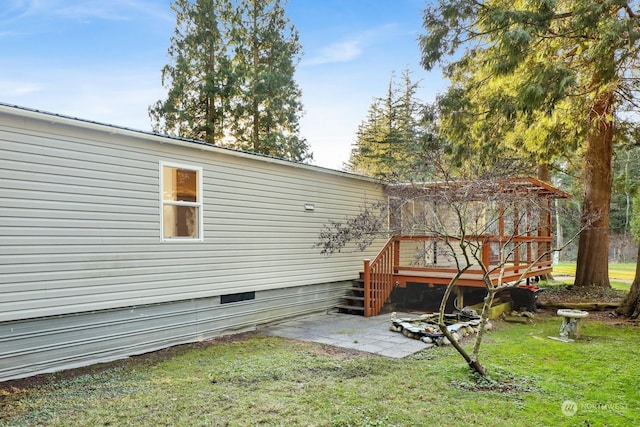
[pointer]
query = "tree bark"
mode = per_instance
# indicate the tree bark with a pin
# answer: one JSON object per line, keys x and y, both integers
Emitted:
{"x": 630, "y": 307}
{"x": 255, "y": 104}
{"x": 592, "y": 267}
{"x": 543, "y": 172}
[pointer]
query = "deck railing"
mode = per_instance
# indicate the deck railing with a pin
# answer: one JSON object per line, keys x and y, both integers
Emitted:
{"x": 390, "y": 269}
{"x": 378, "y": 277}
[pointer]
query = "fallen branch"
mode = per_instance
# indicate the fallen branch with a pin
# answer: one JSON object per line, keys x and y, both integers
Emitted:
{"x": 595, "y": 306}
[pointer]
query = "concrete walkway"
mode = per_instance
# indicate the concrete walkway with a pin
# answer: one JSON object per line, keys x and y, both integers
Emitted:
{"x": 370, "y": 334}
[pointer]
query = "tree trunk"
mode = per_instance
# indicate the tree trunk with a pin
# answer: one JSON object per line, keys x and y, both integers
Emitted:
{"x": 630, "y": 307}
{"x": 255, "y": 105}
{"x": 592, "y": 267}
{"x": 543, "y": 172}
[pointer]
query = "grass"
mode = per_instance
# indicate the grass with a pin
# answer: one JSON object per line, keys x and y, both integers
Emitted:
{"x": 619, "y": 271}
{"x": 620, "y": 274}
{"x": 257, "y": 380}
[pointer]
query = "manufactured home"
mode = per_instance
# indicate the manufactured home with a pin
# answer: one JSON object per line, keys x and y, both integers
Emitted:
{"x": 115, "y": 242}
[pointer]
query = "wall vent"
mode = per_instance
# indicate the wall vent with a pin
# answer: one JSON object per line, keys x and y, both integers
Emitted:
{"x": 242, "y": 296}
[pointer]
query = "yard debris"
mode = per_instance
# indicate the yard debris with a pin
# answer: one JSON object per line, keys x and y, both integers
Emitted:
{"x": 425, "y": 327}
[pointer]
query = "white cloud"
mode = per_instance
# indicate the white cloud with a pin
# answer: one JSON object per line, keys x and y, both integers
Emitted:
{"x": 81, "y": 10}
{"x": 17, "y": 88}
{"x": 114, "y": 96}
{"x": 350, "y": 48}
{"x": 337, "y": 52}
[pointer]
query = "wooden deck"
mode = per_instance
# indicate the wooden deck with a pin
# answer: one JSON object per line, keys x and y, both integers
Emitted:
{"x": 519, "y": 248}
{"x": 395, "y": 267}
{"x": 473, "y": 277}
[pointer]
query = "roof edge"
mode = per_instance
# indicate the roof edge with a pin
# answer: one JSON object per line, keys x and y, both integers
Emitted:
{"x": 36, "y": 114}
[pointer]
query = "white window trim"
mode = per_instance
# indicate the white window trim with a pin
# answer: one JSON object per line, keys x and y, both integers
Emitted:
{"x": 199, "y": 204}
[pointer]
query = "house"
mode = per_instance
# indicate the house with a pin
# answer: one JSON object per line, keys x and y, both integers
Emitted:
{"x": 116, "y": 242}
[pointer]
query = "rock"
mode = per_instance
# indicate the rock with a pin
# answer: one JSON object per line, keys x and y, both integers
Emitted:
{"x": 426, "y": 340}
{"x": 455, "y": 336}
{"x": 488, "y": 326}
{"x": 406, "y": 325}
{"x": 468, "y": 311}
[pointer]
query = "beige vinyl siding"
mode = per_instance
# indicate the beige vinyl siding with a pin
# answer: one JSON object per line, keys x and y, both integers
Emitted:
{"x": 80, "y": 220}
{"x": 33, "y": 346}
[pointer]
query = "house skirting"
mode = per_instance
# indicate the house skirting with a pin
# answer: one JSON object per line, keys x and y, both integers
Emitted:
{"x": 47, "y": 344}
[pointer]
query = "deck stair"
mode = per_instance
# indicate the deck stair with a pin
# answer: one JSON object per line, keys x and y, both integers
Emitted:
{"x": 353, "y": 301}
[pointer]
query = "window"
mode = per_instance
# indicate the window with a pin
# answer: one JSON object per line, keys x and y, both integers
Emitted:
{"x": 181, "y": 202}
{"x": 401, "y": 216}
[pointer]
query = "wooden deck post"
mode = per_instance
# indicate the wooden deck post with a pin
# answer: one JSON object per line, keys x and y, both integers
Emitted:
{"x": 549, "y": 232}
{"x": 459, "y": 298}
{"x": 367, "y": 287}
{"x": 486, "y": 253}
{"x": 396, "y": 255}
{"x": 516, "y": 231}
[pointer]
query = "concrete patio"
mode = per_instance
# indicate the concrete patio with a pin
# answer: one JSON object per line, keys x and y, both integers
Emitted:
{"x": 369, "y": 334}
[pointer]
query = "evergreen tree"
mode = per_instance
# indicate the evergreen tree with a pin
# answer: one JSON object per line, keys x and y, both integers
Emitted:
{"x": 539, "y": 80}
{"x": 395, "y": 134}
{"x": 200, "y": 79}
{"x": 267, "y": 111}
{"x": 231, "y": 77}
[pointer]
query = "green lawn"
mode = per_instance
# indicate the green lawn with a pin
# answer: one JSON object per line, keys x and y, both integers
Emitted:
{"x": 626, "y": 271}
{"x": 258, "y": 380}
{"x": 620, "y": 274}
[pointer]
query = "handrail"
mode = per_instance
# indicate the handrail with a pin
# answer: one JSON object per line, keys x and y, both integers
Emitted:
{"x": 378, "y": 278}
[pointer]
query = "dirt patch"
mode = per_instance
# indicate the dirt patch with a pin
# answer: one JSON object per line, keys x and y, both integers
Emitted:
{"x": 606, "y": 316}
{"x": 574, "y": 294}
{"x": 557, "y": 296}
{"x": 340, "y": 353}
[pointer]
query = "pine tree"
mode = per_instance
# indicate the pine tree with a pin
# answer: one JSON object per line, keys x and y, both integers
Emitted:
{"x": 267, "y": 110}
{"x": 391, "y": 140}
{"x": 231, "y": 77}
{"x": 200, "y": 79}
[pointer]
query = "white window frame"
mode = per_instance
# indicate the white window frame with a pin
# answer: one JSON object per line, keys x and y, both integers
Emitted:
{"x": 199, "y": 205}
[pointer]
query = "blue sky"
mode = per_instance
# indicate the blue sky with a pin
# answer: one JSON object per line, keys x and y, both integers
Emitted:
{"x": 101, "y": 60}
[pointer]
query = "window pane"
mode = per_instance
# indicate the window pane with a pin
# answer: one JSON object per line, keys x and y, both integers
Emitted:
{"x": 180, "y": 221}
{"x": 180, "y": 184}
